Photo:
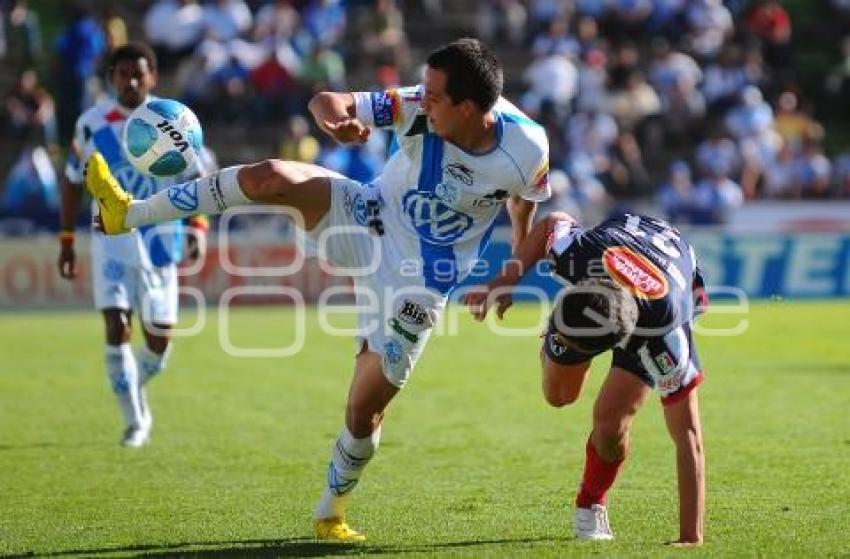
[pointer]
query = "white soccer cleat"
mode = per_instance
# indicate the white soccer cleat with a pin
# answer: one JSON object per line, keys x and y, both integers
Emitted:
{"x": 136, "y": 436}
{"x": 592, "y": 524}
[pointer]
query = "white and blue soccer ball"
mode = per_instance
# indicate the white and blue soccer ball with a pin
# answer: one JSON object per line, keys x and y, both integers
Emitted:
{"x": 163, "y": 138}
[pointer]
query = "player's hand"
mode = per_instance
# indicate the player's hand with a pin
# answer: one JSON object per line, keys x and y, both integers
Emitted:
{"x": 480, "y": 300}
{"x": 67, "y": 263}
{"x": 348, "y": 131}
{"x": 196, "y": 244}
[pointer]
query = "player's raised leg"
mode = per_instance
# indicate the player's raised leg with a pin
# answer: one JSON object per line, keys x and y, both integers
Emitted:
{"x": 301, "y": 186}
{"x": 619, "y": 400}
{"x": 368, "y": 397}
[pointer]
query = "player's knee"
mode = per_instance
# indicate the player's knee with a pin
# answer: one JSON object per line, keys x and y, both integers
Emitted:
{"x": 117, "y": 327}
{"x": 558, "y": 396}
{"x": 361, "y": 419}
{"x": 264, "y": 181}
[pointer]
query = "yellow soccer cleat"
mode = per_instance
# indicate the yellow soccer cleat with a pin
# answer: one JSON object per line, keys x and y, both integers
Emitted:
{"x": 112, "y": 200}
{"x": 336, "y": 530}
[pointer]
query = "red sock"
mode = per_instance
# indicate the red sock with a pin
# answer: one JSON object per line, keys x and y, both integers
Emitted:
{"x": 599, "y": 476}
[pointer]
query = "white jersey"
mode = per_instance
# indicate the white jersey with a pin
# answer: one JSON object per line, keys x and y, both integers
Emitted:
{"x": 101, "y": 128}
{"x": 443, "y": 199}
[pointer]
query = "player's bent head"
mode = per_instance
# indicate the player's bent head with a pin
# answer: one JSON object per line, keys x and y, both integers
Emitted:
{"x": 472, "y": 72}
{"x": 594, "y": 315}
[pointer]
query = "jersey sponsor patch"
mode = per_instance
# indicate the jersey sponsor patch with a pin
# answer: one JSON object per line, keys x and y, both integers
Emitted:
{"x": 434, "y": 221}
{"x": 386, "y": 107}
{"x": 635, "y": 272}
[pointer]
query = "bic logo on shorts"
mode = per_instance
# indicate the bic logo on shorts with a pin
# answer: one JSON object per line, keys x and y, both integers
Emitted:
{"x": 435, "y": 222}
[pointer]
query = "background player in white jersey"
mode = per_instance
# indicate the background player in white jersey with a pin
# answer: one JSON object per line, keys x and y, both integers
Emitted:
{"x": 633, "y": 286}
{"x": 135, "y": 271}
{"x": 464, "y": 152}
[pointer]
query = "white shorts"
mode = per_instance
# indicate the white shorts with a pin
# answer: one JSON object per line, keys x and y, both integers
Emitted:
{"x": 396, "y": 312}
{"x": 130, "y": 283}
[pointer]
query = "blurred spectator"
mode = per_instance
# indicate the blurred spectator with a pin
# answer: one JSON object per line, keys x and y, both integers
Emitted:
{"x": 325, "y": 21}
{"x": 227, "y": 19}
{"x": 78, "y": 47}
{"x": 725, "y": 79}
{"x": 31, "y": 188}
{"x": 323, "y": 69}
{"x": 719, "y": 153}
{"x": 277, "y": 20}
{"x": 382, "y": 35}
{"x": 592, "y": 82}
{"x": 814, "y": 171}
{"x": 760, "y": 154}
{"x": 297, "y": 143}
{"x": 116, "y": 28}
{"x": 778, "y": 178}
{"x": 553, "y": 79}
{"x": 842, "y": 175}
{"x": 361, "y": 162}
{"x": 21, "y": 44}
{"x": 710, "y": 23}
{"x": 30, "y": 111}
{"x": 751, "y": 117}
{"x": 556, "y": 40}
{"x": 174, "y": 28}
{"x": 593, "y": 134}
{"x": 675, "y": 76}
{"x": 634, "y": 102}
{"x": 793, "y": 124}
{"x": 676, "y": 196}
{"x": 495, "y": 19}
{"x": 627, "y": 18}
{"x": 770, "y": 22}
{"x": 627, "y": 178}
{"x": 715, "y": 197}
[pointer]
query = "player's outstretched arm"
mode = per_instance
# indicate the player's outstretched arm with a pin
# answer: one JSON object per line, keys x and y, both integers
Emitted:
{"x": 336, "y": 115}
{"x": 526, "y": 254}
{"x": 70, "y": 203}
{"x": 683, "y": 423}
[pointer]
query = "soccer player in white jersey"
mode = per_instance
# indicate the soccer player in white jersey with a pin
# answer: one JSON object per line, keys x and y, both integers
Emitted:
{"x": 134, "y": 271}
{"x": 464, "y": 152}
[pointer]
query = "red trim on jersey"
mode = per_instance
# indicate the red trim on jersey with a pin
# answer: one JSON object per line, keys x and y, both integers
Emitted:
{"x": 114, "y": 116}
{"x": 684, "y": 391}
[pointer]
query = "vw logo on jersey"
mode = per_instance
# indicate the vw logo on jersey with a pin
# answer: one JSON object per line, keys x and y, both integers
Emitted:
{"x": 435, "y": 222}
{"x": 141, "y": 186}
{"x": 184, "y": 196}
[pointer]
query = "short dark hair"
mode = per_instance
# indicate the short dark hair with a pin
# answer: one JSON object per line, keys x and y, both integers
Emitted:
{"x": 131, "y": 51}
{"x": 594, "y": 315}
{"x": 472, "y": 70}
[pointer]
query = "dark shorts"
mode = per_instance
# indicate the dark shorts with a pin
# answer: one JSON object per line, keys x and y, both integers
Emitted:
{"x": 667, "y": 363}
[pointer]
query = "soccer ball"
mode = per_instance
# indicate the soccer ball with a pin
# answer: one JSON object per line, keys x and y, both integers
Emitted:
{"x": 163, "y": 138}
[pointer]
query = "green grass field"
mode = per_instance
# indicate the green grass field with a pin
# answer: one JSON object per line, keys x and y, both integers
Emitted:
{"x": 472, "y": 461}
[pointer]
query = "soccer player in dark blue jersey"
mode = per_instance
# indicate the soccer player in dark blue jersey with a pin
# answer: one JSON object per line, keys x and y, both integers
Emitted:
{"x": 632, "y": 287}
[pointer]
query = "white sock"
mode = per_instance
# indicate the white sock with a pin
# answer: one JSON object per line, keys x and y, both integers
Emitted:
{"x": 124, "y": 378}
{"x": 210, "y": 195}
{"x": 348, "y": 460}
{"x": 150, "y": 363}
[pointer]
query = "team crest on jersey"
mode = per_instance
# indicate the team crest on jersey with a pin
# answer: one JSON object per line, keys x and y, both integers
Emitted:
{"x": 184, "y": 197}
{"x": 436, "y": 222}
{"x": 635, "y": 272}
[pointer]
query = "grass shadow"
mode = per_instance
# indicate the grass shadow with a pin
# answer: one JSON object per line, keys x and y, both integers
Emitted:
{"x": 267, "y": 548}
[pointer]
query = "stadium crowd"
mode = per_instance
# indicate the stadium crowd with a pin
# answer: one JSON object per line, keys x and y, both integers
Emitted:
{"x": 693, "y": 105}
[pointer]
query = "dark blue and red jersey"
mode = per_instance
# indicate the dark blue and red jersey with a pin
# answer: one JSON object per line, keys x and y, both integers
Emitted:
{"x": 658, "y": 267}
